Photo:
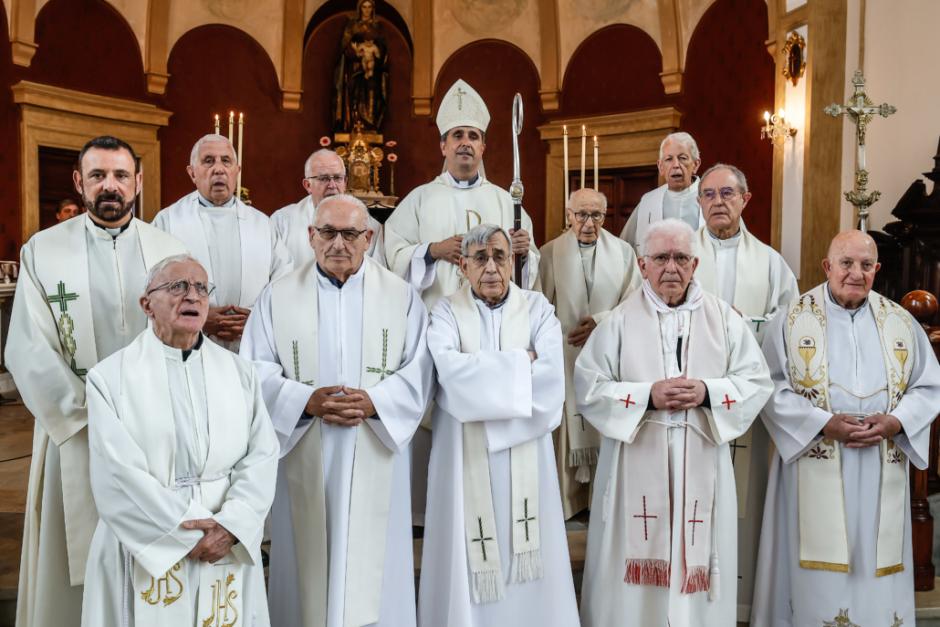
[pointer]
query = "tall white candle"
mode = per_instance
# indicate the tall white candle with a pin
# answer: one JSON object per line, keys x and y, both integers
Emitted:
{"x": 565, "y": 164}
{"x": 216, "y": 123}
{"x": 597, "y": 181}
{"x": 583, "y": 152}
{"x": 231, "y": 126}
{"x": 241, "y": 160}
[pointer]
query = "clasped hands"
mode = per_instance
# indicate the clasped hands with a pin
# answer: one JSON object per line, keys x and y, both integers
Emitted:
{"x": 340, "y": 405}
{"x": 678, "y": 393}
{"x": 855, "y": 433}
{"x": 226, "y": 322}
{"x": 216, "y": 540}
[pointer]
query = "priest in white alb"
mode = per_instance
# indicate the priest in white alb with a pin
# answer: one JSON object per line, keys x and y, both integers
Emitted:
{"x": 237, "y": 245}
{"x": 183, "y": 464}
{"x": 324, "y": 176}
{"x": 75, "y": 304}
{"x": 753, "y": 278}
{"x": 668, "y": 379}
{"x": 584, "y": 272}
{"x": 679, "y": 160}
{"x": 495, "y": 548}
{"x": 856, "y": 387}
{"x": 340, "y": 347}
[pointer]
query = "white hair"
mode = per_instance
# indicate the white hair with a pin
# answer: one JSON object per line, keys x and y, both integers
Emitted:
{"x": 588, "y": 191}
{"x": 669, "y": 226}
{"x": 308, "y": 164}
{"x": 163, "y": 264}
{"x": 738, "y": 174}
{"x": 681, "y": 138}
{"x": 480, "y": 235}
{"x": 208, "y": 139}
{"x": 347, "y": 199}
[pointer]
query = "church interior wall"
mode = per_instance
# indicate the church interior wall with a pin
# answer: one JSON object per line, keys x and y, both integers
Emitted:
{"x": 9, "y": 156}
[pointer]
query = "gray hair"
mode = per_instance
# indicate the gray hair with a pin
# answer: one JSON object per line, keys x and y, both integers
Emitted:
{"x": 738, "y": 174}
{"x": 163, "y": 264}
{"x": 669, "y": 226}
{"x": 480, "y": 235}
{"x": 323, "y": 152}
{"x": 347, "y": 199}
{"x": 587, "y": 191}
{"x": 681, "y": 138}
{"x": 208, "y": 139}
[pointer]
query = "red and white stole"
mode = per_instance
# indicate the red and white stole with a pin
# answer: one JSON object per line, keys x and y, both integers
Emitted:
{"x": 645, "y": 511}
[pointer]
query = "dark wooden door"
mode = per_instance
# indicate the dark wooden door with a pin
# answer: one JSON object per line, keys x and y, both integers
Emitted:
{"x": 55, "y": 182}
{"x": 623, "y": 188}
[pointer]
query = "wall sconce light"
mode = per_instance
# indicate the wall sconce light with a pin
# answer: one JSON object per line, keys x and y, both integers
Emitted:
{"x": 776, "y": 128}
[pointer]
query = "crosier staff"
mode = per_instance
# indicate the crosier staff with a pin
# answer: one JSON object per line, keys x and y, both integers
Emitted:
{"x": 515, "y": 189}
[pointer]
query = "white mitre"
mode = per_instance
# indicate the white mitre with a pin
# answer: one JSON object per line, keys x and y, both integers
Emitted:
{"x": 462, "y": 106}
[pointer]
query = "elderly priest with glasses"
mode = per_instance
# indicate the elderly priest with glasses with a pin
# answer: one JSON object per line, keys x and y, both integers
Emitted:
{"x": 183, "y": 464}
{"x": 668, "y": 379}
{"x": 340, "y": 347}
{"x": 495, "y": 548}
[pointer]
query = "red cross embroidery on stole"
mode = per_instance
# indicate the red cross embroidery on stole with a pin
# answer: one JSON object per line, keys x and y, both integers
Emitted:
{"x": 728, "y": 402}
{"x": 645, "y": 518}
{"x": 694, "y": 521}
{"x": 627, "y": 402}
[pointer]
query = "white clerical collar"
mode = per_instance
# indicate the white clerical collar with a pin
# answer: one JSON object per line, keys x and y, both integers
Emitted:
{"x": 327, "y": 280}
{"x": 476, "y": 181}
{"x": 104, "y": 232}
{"x": 205, "y": 202}
{"x": 693, "y": 298}
{"x": 685, "y": 193}
{"x": 181, "y": 354}
{"x": 730, "y": 242}
{"x": 851, "y": 312}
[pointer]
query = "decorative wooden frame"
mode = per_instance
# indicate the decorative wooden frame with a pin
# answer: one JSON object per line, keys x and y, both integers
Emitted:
{"x": 63, "y": 118}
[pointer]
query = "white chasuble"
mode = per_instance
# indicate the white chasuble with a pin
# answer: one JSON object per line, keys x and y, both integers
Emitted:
{"x": 662, "y": 538}
{"x": 439, "y": 210}
{"x": 173, "y": 440}
{"x": 836, "y": 534}
{"x": 580, "y": 288}
{"x": 509, "y": 403}
{"x": 75, "y": 303}
{"x": 342, "y": 509}
{"x": 292, "y": 224}
{"x": 659, "y": 204}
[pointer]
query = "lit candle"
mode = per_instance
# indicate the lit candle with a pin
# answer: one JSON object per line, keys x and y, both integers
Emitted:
{"x": 565, "y": 163}
{"x": 583, "y": 152}
{"x": 766, "y": 116}
{"x": 231, "y": 126}
{"x": 216, "y": 123}
{"x": 597, "y": 181}
{"x": 238, "y": 155}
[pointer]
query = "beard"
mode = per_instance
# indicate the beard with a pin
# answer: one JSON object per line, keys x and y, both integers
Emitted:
{"x": 109, "y": 213}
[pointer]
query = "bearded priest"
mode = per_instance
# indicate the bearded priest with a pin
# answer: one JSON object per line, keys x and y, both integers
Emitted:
{"x": 584, "y": 272}
{"x": 495, "y": 547}
{"x": 856, "y": 387}
{"x": 668, "y": 379}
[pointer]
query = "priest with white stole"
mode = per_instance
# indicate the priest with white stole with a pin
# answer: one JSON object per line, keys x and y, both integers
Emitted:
{"x": 856, "y": 387}
{"x": 237, "y": 245}
{"x": 754, "y": 279}
{"x": 495, "y": 547}
{"x": 668, "y": 379}
{"x": 679, "y": 160}
{"x": 75, "y": 304}
{"x": 324, "y": 176}
{"x": 584, "y": 272}
{"x": 183, "y": 464}
{"x": 340, "y": 347}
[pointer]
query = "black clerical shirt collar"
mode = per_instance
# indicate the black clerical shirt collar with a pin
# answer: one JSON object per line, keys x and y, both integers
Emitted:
{"x": 495, "y": 305}
{"x": 108, "y": 229}
{"x": 189, "y": 351}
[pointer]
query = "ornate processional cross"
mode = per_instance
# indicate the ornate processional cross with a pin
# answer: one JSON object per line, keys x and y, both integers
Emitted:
{"x": 482, "y": 539}
{"x": 860, "y": 110}
{"x": 526, "y": 519}
{"x": 695, "y": 521}
{"x": 645, "y": 518}
{"x": 383, "y": 370}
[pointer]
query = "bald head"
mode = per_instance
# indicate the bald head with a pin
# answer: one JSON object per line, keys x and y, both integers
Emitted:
{"x": 324, "y": 175}
{"x": 850, "y": 267}
{"x": 586, "y": 211}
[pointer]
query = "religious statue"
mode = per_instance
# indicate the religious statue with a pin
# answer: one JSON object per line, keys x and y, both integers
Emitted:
{"x": 361, "y": 79}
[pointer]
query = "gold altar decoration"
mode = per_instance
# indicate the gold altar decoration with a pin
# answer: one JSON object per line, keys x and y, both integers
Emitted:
{"x": 794, "y": 51}
{"x": 363, "y": 155}
{"x": 776, "y": 128}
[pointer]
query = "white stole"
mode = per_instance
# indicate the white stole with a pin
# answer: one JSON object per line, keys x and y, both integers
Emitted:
{"x": 254, "y": 230}
{"x": 294, "y": 304}
{"x": 822, "y": 524}
{"x": 161, "y": 594}
{"x": 486, "y": 581}
{"x": 752, "y": 284}
{"x": 62, "y": 269}
{"x": 650, "y": 211}
{"x": 646, "y": 511}
{"x": 571, "y": 296}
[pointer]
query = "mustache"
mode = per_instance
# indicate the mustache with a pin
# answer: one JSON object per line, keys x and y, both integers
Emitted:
{"x": 104, "y": 197}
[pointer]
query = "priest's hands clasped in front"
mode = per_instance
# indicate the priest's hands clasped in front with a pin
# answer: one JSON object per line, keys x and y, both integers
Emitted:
{"x": 857, "y": 432}
{"x": 677, "y": 393}
{"x": 341, "y": 405}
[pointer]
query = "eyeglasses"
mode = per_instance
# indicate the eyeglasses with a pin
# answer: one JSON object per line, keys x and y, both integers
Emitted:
{"x": 480, "y": 259}
{"x": 596, "y": 216}
{"x": 181, "y": 288}
{"x": 326, "y": 179}
{"x": 329, "y": 233}
{"x": 682, "y": 260}
{"x": 726, "y": 193}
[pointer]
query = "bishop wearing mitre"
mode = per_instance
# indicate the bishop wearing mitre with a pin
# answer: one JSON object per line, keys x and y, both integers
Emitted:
{"x": 340, "y": 347}
{"x": 584, "y": 272}
{"x": 668, "y": 379}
